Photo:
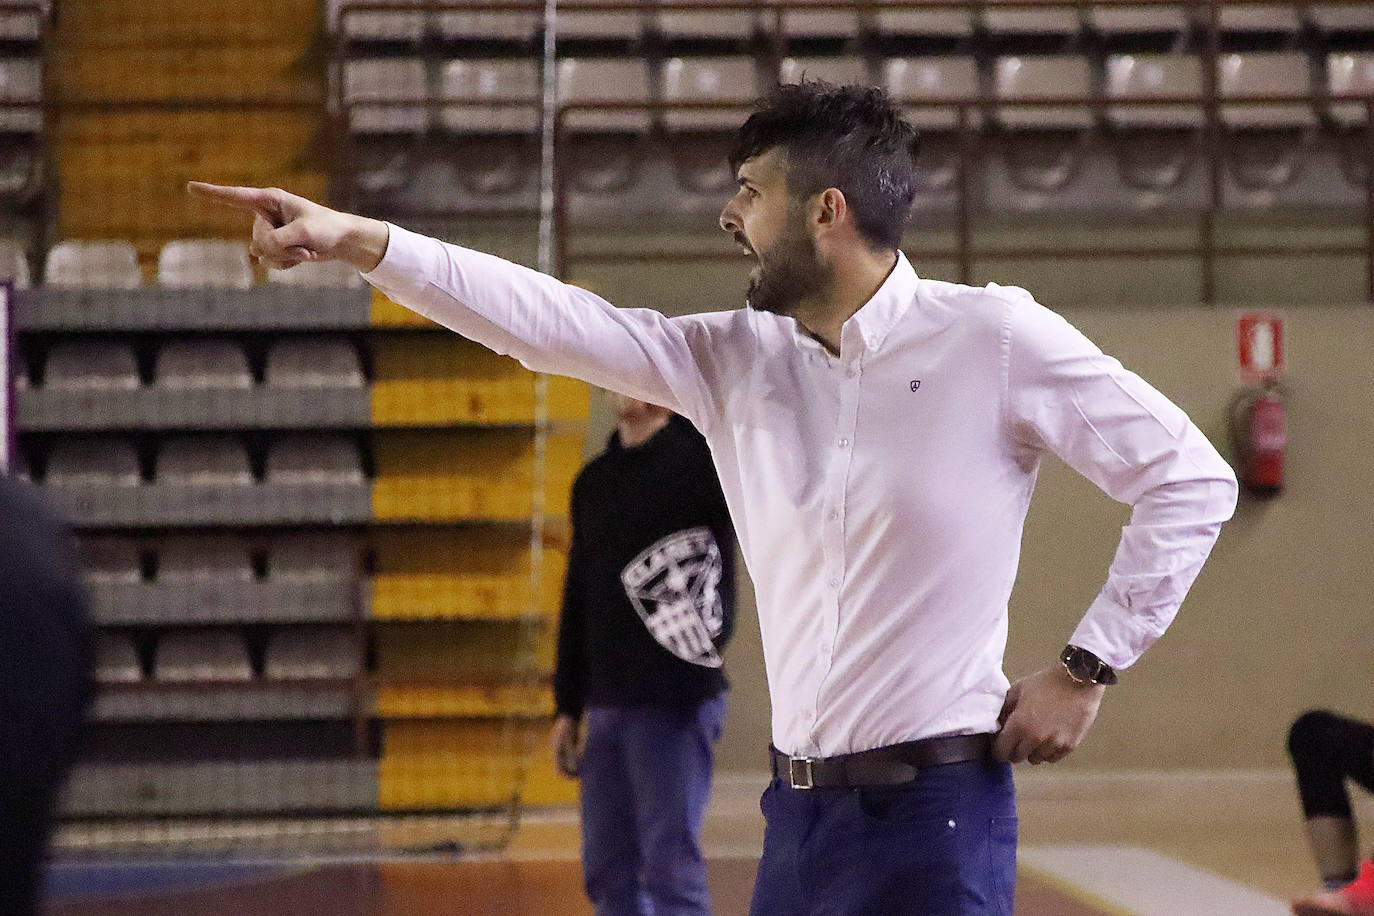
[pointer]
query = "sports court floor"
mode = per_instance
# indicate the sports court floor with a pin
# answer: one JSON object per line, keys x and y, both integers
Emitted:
{"x": 1179, "y": 844}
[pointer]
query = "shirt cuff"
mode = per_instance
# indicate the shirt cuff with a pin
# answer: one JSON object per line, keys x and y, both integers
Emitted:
{"x": 405, "y": 262}
{"x": 1114, "y": 633}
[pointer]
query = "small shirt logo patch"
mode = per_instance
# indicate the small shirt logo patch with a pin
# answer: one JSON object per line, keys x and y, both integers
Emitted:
{"x": 915, "y": 384}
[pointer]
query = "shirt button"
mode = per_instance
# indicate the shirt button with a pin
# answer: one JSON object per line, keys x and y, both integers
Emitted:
{"x": 834, "y": 515}
{"x": 835, "y": 582}
{"x": 844, "y": 443}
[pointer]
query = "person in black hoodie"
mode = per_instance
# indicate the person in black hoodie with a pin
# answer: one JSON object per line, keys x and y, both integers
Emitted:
{"x": 648, "y": 606}
{"x": 45, "y": 685}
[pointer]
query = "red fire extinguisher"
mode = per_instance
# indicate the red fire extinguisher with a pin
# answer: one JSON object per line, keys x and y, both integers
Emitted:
{"x": 1260, "y": 438}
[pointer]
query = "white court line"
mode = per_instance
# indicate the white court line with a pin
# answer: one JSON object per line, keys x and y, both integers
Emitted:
{"x": 1142, "y": 882}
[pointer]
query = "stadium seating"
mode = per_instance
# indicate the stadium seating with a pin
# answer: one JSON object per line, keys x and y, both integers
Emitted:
{"x": 1259, "y": 74}
{"x": 116, "y": 660}
{"x": 21, "y": 80}
{"x": 403, "y": 24}
{"x": 313, "y": 558}
{"x": 1350, "y": 74}
{"x": 472, "y": 87}
{"x": 911, "y": 80}
{"x": 14, "y": 265}
{"x": 600, "y": 80}
{"x": 202, "y": 263}
{"x": 313, "y": 653}
{"x": 191, "y": 364}
{"x": 221, "y": 558}
{"x": 317, "y": 459}
{"x": 1051, "y": 20}
{"x": 77, "y": 264}
{"x": 840, "y": 70}
{"x": 680, "y": 24}
{"x": 92, "y": 461}
{"x": 212, "y": 460}
{"x": 707, "y": 79}
{"x": 111, "y": 560}
{"x": 926, "y": 23}
{"x": 313, "y": 362}
{"x": 204, "y": 655}
{"x": 481, "y": 24}
{"x": 385, "y": 95}
{"x": 91, "y": 365}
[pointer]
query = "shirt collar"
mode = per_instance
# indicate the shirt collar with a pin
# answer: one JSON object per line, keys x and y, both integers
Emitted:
{"x": 869, "y": 326}
{"x": 879, "y": 315}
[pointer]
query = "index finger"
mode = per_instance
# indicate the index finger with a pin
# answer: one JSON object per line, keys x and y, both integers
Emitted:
{"x": 253, "y": 200}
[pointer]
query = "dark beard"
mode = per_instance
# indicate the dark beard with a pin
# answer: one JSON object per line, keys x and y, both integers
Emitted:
{"x": 788, "y": 273}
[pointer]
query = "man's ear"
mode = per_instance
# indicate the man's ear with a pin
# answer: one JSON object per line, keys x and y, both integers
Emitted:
{"x": 832, "y": 208}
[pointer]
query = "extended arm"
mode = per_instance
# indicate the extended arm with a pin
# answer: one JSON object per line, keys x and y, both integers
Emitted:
{"x": 549, "y": 326}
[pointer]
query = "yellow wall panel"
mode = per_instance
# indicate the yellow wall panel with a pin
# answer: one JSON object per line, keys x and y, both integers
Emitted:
{"x": 399, "y": 701}
{"x": 454, "y": 475}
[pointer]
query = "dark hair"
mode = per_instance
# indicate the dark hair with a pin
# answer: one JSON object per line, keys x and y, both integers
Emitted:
{"x": 847, "y": 137}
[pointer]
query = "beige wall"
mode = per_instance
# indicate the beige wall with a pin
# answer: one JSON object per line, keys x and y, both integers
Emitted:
{"x": 1282, "y": 617}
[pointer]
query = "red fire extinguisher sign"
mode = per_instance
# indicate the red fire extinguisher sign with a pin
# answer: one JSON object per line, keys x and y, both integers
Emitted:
{"x": 1259, "y": 346}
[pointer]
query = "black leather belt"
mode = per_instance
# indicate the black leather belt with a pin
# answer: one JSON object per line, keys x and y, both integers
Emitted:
{"x": 882, "y": 766}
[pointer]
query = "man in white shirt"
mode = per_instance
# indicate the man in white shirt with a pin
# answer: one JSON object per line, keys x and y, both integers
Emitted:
{"x": 877, "y": 436}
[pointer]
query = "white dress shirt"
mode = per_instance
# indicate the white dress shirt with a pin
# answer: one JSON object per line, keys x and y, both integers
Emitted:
{"x": 879, "y": 496}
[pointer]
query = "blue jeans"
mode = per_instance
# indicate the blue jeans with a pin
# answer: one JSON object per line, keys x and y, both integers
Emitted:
{"x": 942, "y": 845}
{"x": 646, "y": 777}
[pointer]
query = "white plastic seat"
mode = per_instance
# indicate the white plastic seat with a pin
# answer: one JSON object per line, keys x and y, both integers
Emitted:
{"x": 936, "y": 23}
{"x": 1352, "y": 17}
{"x": 1111, "y": 19}
{"x": 320, "y": 459}
{"x": 21, "y": 21}
{"x": 1265, "y": 73}
{"x": 91, "y": 365}
{"x": 1043, "y": 77}
{"x": 482, "y": 83}
{"x": 406, "y": 23}
{"x": 93, "y": 265}
{"x": 199, "y": 263}
{"x": 800, "y": 22}
{"x": 211, "y": 558}
{"x": 385, "y": 95}
{"x": 313, "y": 362}
{"x": 1283, "y": 18}
{"x": 204, "y": 655}
{"x": 14, "y": 265}
{"x": 476, "y": 22}
{"x": 116, "y": 660}
{"x": 184, "y": 365}
{"x": 1350, "y": 74}
{"x": 21, "y": 80}
{"x": 718, "y": 23}
{"x": 842, "y": 71}
{"x": 708, "y": 79}
{"x": 1154, "y": 76}
{"x": 97, "y": 460}
{"x": 1051, "y": 20}
{"x": 590, "y": 79}
{"x": 111, "y": 561}
{"x": 314, "y": 653}
{"x": 577, "y": 23}
{"x": 204, "y": 461}
{"x": 313, "y": 558}
{"x": 318, "y": 275}
{"x": 912, "y": 80}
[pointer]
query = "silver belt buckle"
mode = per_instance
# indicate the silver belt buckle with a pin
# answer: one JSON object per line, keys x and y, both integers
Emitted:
{"x": 802, "y": 765}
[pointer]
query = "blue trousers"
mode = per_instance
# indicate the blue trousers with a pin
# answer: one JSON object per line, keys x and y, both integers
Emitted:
{"x": 646, "y": 777}
{"x": 941, "y": 845}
